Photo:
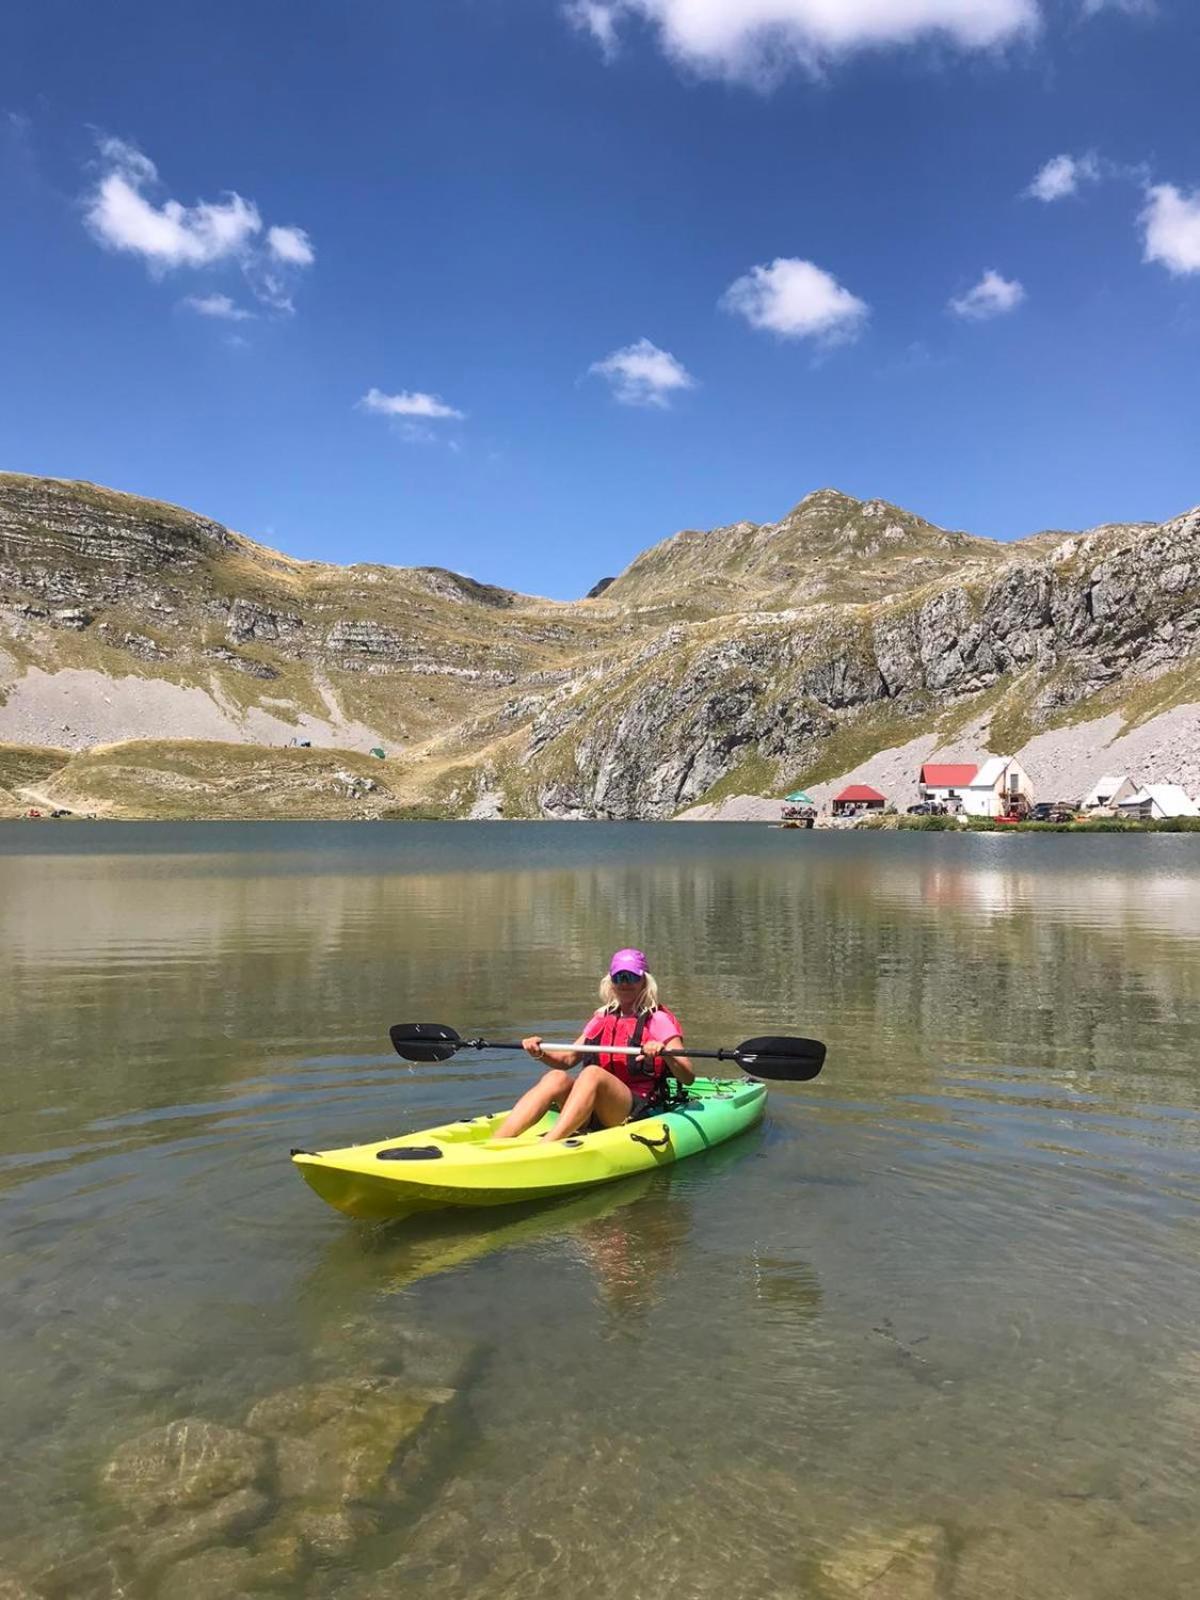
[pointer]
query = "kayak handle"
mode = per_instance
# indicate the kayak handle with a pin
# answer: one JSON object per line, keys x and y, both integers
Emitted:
{"x": 653, "y": 1144}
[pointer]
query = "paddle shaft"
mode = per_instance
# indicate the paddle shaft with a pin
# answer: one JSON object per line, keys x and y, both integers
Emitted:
{"x": 599, "y": 1049}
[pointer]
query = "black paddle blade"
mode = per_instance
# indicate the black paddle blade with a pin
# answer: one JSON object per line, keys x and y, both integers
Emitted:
{"x": 424, "y": 1041}
{"x": 789, "y": 1060}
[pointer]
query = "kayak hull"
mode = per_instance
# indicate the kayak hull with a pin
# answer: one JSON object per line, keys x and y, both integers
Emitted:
{"x": 462, "y": 1164}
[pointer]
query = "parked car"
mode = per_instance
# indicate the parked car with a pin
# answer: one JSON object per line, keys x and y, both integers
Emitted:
{"x": 1052, "y": 811}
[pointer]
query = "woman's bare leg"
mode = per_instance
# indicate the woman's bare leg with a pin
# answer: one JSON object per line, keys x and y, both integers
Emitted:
{"x": 595, "y": 1092}
{"x": 551, "y": 1089}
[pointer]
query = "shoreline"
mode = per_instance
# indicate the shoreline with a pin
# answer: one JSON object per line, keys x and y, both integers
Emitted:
{"x": 1109, "y": 828}
{"x": 202, "y": 781}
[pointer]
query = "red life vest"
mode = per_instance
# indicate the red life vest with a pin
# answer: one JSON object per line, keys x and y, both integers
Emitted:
{"x": 640, "y": 1076}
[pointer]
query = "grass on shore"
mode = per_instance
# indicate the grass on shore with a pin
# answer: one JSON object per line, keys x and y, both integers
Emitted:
{"x": 989, "y": 825}
{"x": 1099, "y": 825}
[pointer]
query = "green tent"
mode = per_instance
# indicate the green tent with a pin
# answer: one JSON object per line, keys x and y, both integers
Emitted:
{"x": 378, "y": 752}
{"x": 799, "y": 798}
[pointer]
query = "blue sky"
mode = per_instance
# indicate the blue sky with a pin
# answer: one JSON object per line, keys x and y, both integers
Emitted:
{"x": 519, "y": 287}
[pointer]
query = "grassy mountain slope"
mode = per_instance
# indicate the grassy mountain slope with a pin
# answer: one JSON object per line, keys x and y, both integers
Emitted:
{"x": 750, "y": 656}
{"x": 829, "y": 549}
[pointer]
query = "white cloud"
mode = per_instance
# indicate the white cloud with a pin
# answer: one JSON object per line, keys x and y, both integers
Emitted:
{"x": 408, "y": 404}
{"x": 122, "y": 215}
{"x": 291, "y": 245}
{"x": 1062, "y": 175}
{"x": 797, "y": 300}
{"x": 217, "y": 305}
{"x": 1133, "y": 8}
{"x": 1171, "y": 228}
{"x": 416, "y": 433}
{"x": 643, "y": 375}
{"x": 171, "y": 235}
{"x": 268, "y": 282}
{"x": 599, "y": 18}
{"x": 758, "y": 40}
{"x": 992, "y": 296}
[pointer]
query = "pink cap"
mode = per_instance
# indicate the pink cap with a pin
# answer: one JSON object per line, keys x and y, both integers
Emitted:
{"x": 628, "y": 961}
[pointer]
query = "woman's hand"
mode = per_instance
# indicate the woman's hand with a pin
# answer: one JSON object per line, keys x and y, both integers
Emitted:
{"x": 679, "y": 1066}
{"x": 533, "y": 1046}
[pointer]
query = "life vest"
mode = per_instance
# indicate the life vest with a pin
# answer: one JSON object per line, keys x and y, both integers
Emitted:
{"x": 640, "y": 1076}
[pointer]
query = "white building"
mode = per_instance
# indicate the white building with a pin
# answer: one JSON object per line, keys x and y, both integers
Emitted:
{"x": 943, "y": 782}
{"x": 1111, "y": 790}
{"x": 1155, "y": 802}
{"x": 1000, "y": 786}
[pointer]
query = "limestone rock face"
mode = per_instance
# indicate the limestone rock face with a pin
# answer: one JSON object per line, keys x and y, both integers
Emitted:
{"x": 1123, "y": 606}
{"x": 249, "y": 620}
{"x": 736, "y": 654}
{"x": 47, "y": 526}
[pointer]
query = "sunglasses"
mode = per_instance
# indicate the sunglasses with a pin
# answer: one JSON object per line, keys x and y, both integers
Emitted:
{"x": 626, "y": 977}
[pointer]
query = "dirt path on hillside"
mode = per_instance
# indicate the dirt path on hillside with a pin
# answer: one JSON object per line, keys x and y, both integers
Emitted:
{"x": 29, "y": 796}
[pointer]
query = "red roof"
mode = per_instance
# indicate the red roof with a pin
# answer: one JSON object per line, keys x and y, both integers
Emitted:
{"x": 860, "y": 791}
{"x": 947, "y": 777}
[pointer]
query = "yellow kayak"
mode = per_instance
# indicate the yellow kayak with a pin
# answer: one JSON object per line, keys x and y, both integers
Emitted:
{"x": 463, "y": 1164}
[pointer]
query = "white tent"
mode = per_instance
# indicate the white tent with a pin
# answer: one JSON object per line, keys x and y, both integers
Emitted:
{"x": 1158, "y": 801}
{"x": 1109, "y": 791}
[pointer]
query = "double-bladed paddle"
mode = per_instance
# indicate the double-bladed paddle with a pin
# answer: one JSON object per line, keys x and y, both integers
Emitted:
{"x": 787, "y": 1059}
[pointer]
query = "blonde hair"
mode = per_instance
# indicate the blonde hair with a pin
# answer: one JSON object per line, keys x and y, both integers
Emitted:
{"x": 647, "y": 1000}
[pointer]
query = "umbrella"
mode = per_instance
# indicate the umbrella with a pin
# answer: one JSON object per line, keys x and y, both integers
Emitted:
{"x": 799, "y": 798}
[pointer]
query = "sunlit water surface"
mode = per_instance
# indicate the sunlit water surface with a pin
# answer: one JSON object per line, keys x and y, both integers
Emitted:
{"x": 945, "y": 1302}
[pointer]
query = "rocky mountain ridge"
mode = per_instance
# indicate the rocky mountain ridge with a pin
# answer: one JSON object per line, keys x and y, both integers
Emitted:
{"x": 830, "y": 548}
{"x": 749, "y": 658}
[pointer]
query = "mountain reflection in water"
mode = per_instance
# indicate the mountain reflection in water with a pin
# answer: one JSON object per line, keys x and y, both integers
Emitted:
{"x": 932, "y": 1325}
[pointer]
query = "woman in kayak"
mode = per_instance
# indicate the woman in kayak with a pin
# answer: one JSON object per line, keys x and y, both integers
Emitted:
{"x": 611, "y": 1089}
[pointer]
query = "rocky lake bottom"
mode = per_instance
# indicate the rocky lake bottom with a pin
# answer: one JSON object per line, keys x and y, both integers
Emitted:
{"x": 927, "y": 1334}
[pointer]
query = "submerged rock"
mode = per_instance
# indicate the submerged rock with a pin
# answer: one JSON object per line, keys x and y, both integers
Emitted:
{"x": 228, "y": 1518}
{"x": 99, "y": 1573}
{"x": 336, "y": 1441}
{"x": 279, "y": 1559}
{"x": 305, "y": 1406}
{"x": 13, "y": 1589}
{"x": 326, "y": 1531}
{"x": 336, "y": 1448}
{"x": 188, "y": 1463}
{"x": 219, "y": 1574}
{"x": 902, "y": 1566}
{"x": 225, "y": 1573}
